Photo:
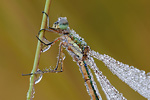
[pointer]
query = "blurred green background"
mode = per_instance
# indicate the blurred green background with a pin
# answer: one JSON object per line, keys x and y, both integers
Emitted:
{"x": 119, "y": 28}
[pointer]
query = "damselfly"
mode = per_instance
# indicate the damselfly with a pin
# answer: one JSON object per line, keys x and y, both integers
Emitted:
{"x": 82, "y": 55}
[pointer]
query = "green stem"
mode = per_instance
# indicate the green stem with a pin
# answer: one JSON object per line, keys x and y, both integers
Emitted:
{"x": 38, "y": 51}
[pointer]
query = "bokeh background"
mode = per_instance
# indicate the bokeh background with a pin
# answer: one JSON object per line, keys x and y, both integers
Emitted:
{"x": 119, "y": 28}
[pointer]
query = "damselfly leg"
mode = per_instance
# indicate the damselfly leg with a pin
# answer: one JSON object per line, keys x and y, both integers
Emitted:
{"x": 61, "y": 57}
{"x": 47, "y": 18}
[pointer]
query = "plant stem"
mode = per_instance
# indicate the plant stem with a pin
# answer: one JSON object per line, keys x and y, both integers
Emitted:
{"x": 38, "y": 51}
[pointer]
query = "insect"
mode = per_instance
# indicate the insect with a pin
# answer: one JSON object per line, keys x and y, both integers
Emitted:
{"x": 77, "y": 48}
{"x": 82, "y": 55}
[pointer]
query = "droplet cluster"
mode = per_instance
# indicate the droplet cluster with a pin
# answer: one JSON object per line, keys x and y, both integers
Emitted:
{"x": 137, "y": 79}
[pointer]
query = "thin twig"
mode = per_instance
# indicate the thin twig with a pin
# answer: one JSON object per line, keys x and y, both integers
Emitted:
{"x": 37, "y": 54}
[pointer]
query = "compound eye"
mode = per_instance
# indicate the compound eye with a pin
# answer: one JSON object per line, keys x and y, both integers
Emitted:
{"x": 59, "y": 18}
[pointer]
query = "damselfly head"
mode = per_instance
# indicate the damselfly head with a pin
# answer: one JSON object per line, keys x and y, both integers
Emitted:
{"x": 62, "y": 23}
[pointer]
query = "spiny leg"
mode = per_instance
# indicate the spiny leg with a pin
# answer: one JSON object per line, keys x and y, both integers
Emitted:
{"x": 47, "y": 18}
{"x": 50, "y": 29}
{"x": 45, "y": 47}
{"x": 48, "y": 25}
{"x": 60, "y": 52}
{"x": 59, "y": 61}
{"x": 41, "y": 72}
{"x": 60, "y": 57}
{"x": 42, "y": 41}
{"x": 37, "y": 72}
{"x": 51, "y": 43}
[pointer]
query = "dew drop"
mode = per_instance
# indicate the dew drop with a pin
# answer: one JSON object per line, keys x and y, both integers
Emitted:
{"x": 46, "y": 48}
{"x": 40, "y": 76}
{"x": 64, "y": 56}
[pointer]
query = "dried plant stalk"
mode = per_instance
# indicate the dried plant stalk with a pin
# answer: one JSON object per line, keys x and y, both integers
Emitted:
{"x": 37, "y": 54}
